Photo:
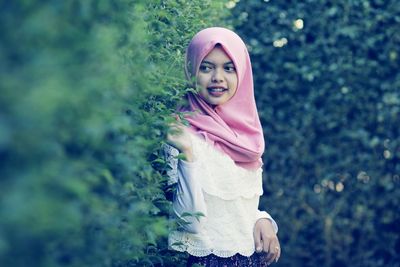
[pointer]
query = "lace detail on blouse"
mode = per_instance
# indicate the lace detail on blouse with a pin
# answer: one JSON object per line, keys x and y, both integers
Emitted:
{"x": 221, "y": 177}
{"x": 231, "y": 195}
{"x": 228, "y": 229}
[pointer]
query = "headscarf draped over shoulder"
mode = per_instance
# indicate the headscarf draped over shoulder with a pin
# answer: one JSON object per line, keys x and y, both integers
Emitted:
{"x": 234, "y": 127}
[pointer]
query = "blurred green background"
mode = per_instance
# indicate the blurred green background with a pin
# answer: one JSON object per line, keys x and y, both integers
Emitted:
{"x": 87, "y": 88}
{"x": 328, "y": 91}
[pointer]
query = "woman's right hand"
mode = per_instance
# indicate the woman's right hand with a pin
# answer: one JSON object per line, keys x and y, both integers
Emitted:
{"x": 266, "y": 240}
{"x": 178, "y": 136}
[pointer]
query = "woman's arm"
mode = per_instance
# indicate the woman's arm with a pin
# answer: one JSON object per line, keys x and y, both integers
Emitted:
{"x": 188, "y": 203}
{"x": 188, "y": 200}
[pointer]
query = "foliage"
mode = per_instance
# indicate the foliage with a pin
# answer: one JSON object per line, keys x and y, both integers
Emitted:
{"x": 86, "y": 90}
{"x": 328, "y": 91}
{"x": 171, "y": 25}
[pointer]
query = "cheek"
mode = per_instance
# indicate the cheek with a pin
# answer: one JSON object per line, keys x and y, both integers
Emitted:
{"x": 234, "y": 82}
{"x": 202, "y": 80}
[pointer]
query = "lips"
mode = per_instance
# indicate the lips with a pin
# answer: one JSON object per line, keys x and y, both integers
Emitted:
{"x": 216, "y": 91}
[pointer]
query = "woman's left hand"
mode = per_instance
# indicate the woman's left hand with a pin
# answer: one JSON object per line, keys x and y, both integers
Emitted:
{"x": 266, "y": 240}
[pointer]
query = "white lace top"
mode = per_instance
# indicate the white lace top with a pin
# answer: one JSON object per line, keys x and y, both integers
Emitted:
{"x": 226, "y": 194}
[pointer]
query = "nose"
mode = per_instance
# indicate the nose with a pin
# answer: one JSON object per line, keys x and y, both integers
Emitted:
{"x": 217, "y": 76}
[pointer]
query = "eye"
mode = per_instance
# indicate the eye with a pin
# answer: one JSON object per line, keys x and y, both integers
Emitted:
{"x": 230, "y": 68}
{"x": 205, "y": 68}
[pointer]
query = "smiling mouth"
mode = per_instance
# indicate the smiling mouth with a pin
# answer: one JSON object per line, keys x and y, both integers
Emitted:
{"x": 216, "y": 91}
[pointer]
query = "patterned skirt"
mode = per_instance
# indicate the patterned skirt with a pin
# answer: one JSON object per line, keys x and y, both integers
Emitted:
{"x": 237, "y": 260}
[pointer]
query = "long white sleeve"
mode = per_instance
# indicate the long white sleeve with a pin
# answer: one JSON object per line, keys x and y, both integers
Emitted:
{"x": 188, "y": 202}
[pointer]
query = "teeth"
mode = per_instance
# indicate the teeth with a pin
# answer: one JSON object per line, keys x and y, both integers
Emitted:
{"x": 217, "y": 89}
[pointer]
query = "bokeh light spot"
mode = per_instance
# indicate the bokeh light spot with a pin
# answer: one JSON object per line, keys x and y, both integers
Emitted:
{"x": 339, "y": 187}
{"x": 280, "y": 42}
{"x": 298, "y": 24}
{"x": 362, "y": 176}
{"x": 317, "y": 188}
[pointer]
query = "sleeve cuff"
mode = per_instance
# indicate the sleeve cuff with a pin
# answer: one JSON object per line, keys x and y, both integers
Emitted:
{"x": 265, "y": 215}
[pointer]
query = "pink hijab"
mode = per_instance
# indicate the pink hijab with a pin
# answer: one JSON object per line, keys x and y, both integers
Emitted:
{"x": 234, "y": 127}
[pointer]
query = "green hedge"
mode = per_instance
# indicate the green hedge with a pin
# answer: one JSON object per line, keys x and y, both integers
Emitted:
{"x": 86, "y": 90}
{"x": 328, "y": 90}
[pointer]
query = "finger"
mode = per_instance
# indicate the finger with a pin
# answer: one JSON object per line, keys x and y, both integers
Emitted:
{"x": 173, "y": 124}
{"x": 279, "y": 253}
{"x": 274, "y": 250}
{"x": 257, "y": 240}
{"x": 178, "y": 125}
{"x": 266, "y": 245}
{"x": 175, "y": 129}
{"x": 172, "y": 134}
{"x": 268, "y": 250}
{"x": 271, "y": 247}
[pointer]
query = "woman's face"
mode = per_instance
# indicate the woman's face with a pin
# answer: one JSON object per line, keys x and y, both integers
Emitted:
{"x": 217, "y": 79}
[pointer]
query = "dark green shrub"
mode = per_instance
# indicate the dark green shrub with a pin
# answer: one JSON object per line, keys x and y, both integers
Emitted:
{"x": 84, "y": 100}
{"x": 327, "y": 86}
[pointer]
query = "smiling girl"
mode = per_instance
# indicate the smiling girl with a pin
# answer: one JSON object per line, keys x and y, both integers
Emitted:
{"x": 220, "y": 181}
{"x": 216, "y": 78}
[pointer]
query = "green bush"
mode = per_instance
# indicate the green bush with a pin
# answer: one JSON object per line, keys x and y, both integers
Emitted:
{"x": 86, "y": 90}
{"x": 328, "y": 90}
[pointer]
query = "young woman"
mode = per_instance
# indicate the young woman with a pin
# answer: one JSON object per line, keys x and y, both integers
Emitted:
{"x": 219, "y": 182}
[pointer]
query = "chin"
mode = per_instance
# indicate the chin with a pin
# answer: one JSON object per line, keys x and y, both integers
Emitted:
{"x": 215, "y": 103}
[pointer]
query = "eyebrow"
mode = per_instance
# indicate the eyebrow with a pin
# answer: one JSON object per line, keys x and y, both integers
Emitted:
{"x": 211, "y": 63}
